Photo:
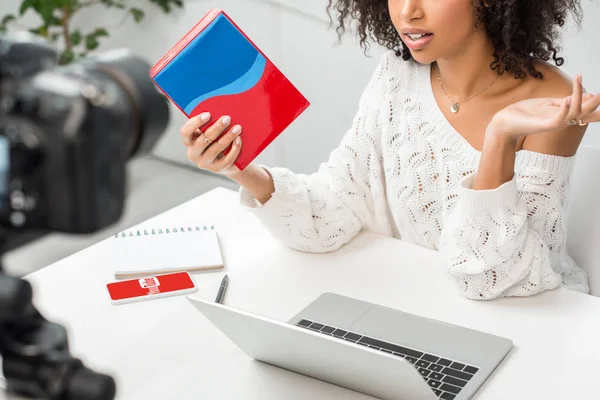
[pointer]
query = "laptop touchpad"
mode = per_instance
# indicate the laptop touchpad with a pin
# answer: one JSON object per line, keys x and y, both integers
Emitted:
{"x": 395, "y": 326}
{"x": 333, "y": 310}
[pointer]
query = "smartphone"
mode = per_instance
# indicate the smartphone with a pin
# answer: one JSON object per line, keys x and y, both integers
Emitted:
{"x": 150, "y": 287}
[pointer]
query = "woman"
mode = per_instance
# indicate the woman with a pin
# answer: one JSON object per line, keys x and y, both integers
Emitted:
{"x": 464, "y": 142}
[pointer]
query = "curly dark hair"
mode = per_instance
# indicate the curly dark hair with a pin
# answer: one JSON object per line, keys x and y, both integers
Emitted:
{"x": 521, "y": 30}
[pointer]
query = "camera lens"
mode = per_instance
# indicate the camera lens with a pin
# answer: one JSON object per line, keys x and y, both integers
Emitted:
{"x": 150, "y": 106}
{"x": 15, "y": 296}
{"x": 89, "y": 385}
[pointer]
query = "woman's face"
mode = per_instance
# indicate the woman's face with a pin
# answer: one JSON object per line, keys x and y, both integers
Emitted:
{"x": 448, "y": 27}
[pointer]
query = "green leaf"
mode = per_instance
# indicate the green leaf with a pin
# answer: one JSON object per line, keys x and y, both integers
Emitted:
{"x": 76, "y": 37}
{"x": 26, "y": 5}
{"x": 113, "y": 3}
{"x": 138, "y": 14}
{"x": 91, "y": 42}
{"x": 69, "y": 5}
{"x": 7, "y": 18}
{"x": 66, "y": 57}
{"x": 5, "y": 21}
{"x": 91, "y": 39}
{"x": 48, "y": 10}
{"x": 54, "y": 21}
{"x": 165, "y": 5}
{"x": 101, "y": 32}
{"x": 41, "y": 31}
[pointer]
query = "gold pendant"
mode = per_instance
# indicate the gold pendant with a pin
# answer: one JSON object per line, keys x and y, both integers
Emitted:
{"x": 454, "y": 108}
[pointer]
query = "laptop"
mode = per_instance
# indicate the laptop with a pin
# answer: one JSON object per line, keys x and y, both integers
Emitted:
{"x": 368, "y": 348}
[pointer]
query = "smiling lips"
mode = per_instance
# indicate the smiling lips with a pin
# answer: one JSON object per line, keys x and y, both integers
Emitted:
{"x": 416, "y": 39}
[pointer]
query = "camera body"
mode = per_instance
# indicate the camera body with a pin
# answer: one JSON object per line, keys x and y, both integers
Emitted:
{"x": 67, "y": 133}
{"x": 62, "y": 132}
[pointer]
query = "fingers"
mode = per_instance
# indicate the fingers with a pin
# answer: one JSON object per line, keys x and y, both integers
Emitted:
{"x": 196, "y": 135}
{"x": 587, "y": 96}
{"x": 192, "y": 127}
{"x": 589, "y": 110}
{"x": 564, "y": 111}
{"x": 589, "y": 106}
{"x": 575, "y": 100}
{"x": 228, "y": 160}
{"x": 213, "y": 132}
{"x": 592, "y": 117}
{"x": 583, "y": 107}
{"x": 221, "y": 144}
{"x": 205, "y": 140}
{"x": 558, "y": 102}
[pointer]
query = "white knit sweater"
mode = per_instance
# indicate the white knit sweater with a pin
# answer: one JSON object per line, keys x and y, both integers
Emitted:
{"x": 403, "y": 171}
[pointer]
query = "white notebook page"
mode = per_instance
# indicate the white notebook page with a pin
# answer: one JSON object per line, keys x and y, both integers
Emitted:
{"x": 163, "y": 250}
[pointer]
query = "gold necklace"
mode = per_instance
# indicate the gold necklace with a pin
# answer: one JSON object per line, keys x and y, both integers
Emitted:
{"x": 455, "y": 104}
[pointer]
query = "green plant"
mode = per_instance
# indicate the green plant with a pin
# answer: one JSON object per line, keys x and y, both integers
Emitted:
{"x": 57, "y": 15}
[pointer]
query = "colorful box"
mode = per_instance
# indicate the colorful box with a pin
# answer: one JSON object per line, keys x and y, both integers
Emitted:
{"x": 215, "y": 67}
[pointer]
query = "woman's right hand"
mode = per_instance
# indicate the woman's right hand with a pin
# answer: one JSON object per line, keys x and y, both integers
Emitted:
{"x": 206, "y": 150}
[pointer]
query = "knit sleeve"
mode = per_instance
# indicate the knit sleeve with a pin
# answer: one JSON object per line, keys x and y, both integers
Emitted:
{"x": 325, "y": 210}
{"x": 510, "y": 241}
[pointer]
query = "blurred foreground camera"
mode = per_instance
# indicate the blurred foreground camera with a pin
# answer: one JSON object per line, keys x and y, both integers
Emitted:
{"x": 66, "y": 134}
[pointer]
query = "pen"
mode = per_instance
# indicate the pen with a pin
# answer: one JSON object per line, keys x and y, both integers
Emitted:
{"x": 222, "y": 289}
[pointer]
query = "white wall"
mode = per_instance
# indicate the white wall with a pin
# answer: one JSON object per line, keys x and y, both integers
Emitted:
{"x": 581, "y": 51}
{"x": 295, "y": 35}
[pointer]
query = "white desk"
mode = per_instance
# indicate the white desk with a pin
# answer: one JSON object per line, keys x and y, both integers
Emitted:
{"x": 164, "y": 349}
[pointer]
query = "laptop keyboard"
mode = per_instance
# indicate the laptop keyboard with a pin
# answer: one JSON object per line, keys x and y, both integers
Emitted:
{"x": 445, "y": 377}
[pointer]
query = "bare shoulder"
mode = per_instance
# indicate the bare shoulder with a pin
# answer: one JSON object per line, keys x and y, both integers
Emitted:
{"x": 555, "y": 83}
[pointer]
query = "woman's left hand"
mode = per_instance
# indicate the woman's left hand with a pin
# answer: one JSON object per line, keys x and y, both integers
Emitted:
{"x": 541, "y": 115}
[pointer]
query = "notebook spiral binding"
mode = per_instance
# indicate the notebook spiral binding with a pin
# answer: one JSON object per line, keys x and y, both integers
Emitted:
{"x": 162, "y": 231}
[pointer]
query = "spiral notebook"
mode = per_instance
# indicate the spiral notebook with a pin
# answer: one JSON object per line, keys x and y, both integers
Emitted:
{"x": 145, "y": 251}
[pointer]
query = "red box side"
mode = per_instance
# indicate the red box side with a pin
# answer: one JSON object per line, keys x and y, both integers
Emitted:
{"x": 256, "y": 47}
